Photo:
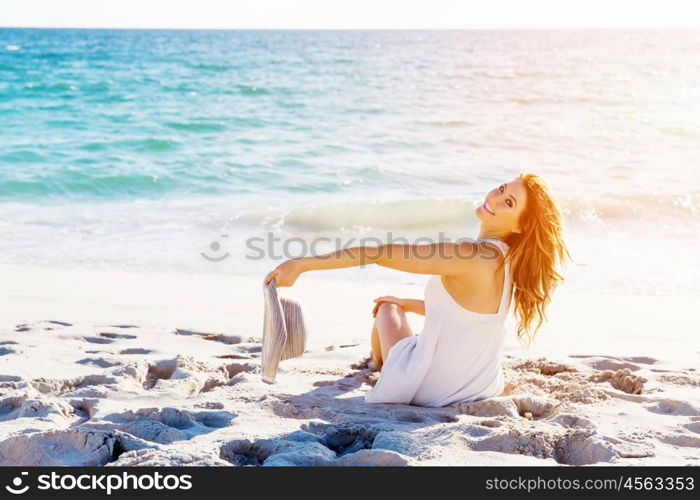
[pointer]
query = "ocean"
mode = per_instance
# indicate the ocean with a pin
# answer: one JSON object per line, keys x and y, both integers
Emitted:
{"x": 224, "y": 151}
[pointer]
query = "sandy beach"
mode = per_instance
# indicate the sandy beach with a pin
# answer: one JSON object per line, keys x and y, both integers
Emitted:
{"x": 102, "y": 367}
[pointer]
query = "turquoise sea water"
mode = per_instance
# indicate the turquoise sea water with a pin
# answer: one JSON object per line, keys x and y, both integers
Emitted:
{"x": 145, "y": 148}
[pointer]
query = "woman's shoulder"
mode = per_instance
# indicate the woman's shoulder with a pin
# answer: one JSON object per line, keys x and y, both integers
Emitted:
{"x": 494, "y": 244}
{"x": 474, "y": 261}
{"x": 491, "y": 254}
{"x": 484, "y": 271}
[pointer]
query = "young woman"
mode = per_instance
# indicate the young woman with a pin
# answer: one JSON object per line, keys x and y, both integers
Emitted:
{"x": 457, "y": 356}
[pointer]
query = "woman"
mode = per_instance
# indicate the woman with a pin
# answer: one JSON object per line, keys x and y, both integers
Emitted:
{"x": 456, "y": 358}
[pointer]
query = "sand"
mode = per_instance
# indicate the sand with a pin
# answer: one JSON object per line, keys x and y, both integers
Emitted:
{"x": 104, "y": 367}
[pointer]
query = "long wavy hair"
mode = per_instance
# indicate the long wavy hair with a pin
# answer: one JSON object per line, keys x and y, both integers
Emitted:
{"x": 535, "y": 253}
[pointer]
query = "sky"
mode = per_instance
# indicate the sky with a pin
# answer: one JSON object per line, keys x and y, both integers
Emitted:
{"x": 349, "y": 14}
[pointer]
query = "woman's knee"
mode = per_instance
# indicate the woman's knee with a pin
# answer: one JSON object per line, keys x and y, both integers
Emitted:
{"x": 389, "y": 314}
{"x": 389, "y": 308}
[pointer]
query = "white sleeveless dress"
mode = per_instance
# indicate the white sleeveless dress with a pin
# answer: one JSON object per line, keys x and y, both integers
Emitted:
{"x": 457, "y": 356}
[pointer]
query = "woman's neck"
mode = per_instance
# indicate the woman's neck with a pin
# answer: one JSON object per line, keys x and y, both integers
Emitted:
{"x": 484, "y": 235}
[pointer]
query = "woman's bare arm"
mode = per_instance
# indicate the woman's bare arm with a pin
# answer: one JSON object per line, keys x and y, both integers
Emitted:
{"x": 416, "y": 306}
{"x": 449, "y": 259}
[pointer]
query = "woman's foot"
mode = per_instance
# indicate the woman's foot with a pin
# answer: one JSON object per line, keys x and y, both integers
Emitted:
{"x": 373, "y": 364}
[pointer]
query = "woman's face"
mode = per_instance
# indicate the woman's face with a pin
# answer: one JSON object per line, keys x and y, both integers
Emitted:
{"x": 502, "y": 206}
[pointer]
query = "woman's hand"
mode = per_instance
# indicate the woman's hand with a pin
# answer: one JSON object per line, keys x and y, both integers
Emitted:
{"x": 402, "y": 303}
{"x": 286, "y": 273}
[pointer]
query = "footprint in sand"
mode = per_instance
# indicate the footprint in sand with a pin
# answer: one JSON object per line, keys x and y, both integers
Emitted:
{"x": 56, "y": 323}
{"x": 97, "y": 340}
{"x": 68, "y": 447}
{"x": 669, "y": 406}
{"x": 527, "y": 406}
{"x": 645, "y": 360}
{"x": 135, "y": 350}
{"x": 234, "y": 356}
{"x": 693, "y": 426}
{"x": 681, "y": 439}
{"x": 224, "y": 339}
{"x": 25, "y": 327}
{"x": 679, "y": 378}
{"x": 569, "y": 446}
{"x": 324, "y": 444}
{"x": 543, "y": 366}
{"x": 601, "y": 362}
{"x": 215, "y": 337}
{"x": 99, "y": 362}
{"x": 250, "y": 349}
{"x": 98, "y": 385}
{"x": 194, "y": 376}
{"x": 165, "y": 425}
{"x": 23, "y": 406}
{"x": 122, "y": 336}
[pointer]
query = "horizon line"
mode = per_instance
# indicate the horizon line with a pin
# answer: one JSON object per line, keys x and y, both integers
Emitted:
{"x": 474, "y": 28}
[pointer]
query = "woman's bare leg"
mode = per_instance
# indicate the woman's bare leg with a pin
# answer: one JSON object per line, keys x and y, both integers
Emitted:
{"x": 376, "y": 354}
{"x": 391, "y": 326}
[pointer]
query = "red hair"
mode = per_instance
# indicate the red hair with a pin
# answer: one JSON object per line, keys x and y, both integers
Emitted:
{"x": 535, "y": 253}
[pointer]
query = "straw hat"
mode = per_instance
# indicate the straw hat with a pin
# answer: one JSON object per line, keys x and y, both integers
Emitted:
{"x": 284, "y": 331}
